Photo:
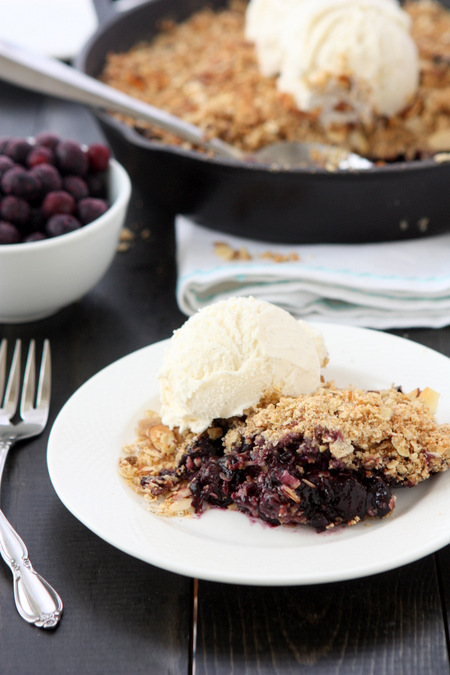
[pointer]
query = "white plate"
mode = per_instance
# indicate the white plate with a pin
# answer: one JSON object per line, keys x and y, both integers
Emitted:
{"x": 86, "y": 440}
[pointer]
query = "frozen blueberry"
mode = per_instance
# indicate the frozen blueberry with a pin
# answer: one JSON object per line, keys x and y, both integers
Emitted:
{"x": 96, "y": 183}
{"x": 19, "y": 182}
{"x": 58, "y": 202}
{"x": 6, "y": 163}
{"x": 71, "y": 158}
{"x": 99, "y": 156}
{"x": 15, "y": 210}
{"x": 40, "y": 155}
{"x": 9, "y": 234}
{"x": 17, "y": 149}
{"x": 47, "y": 138}
{"x": 76, "y": 186}
{"x": 48, "y": 176}
{"x": 61, "y": 223}
{"x": 90, "y": 209}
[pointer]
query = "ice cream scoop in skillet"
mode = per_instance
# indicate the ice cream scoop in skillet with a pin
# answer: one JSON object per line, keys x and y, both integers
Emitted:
{"x": 46, "y": 75}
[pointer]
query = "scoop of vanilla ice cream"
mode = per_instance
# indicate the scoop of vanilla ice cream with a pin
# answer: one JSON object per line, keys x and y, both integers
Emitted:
{"x": 225, "y": 357}
{"x": 349, "y": 59}
{"x": 264, "y": 21}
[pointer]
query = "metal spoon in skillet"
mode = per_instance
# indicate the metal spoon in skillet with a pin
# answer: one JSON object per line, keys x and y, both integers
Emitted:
{"x": 49, "y": 76}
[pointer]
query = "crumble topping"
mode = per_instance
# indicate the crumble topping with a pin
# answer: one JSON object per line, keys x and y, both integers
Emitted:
{"x": 322, "y": 459}
{"x": 228, "y": 253}
{"x": 205, "y": 71}
{"x": 377, "y": 430}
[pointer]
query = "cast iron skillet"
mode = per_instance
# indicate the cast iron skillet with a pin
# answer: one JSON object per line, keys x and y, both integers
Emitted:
{"x": 401, "y": 201}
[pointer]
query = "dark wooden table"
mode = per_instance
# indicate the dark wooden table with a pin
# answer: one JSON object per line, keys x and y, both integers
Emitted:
{"x": 124, "y": 616}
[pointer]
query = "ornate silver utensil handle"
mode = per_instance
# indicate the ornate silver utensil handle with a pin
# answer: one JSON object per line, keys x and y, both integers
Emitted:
{"x": 36, "y": 601}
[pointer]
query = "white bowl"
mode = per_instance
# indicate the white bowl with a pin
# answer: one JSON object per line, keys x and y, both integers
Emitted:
{"x": 39, "y": 278}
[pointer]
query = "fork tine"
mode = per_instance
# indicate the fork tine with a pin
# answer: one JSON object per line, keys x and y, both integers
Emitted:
{"x": 3, "y": 347}
{"x": 29, "y": 381}
{"x": 13, "y": 385}
{"x": 45, "y": 379}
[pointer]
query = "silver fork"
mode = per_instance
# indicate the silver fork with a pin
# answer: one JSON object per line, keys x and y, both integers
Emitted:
{"x": 36, "y": 601}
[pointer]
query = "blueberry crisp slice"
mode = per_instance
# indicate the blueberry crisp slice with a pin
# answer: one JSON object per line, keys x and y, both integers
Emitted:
{"x": 324, "y": 459}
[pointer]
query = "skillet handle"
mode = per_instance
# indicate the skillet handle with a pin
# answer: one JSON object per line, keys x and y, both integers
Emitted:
{"x": 105, "y": 9}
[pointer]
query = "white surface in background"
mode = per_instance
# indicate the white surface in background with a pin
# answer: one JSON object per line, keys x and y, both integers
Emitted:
{"x": 57, "y": 28}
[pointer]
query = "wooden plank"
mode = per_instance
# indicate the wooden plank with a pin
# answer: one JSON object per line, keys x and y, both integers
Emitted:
{"x": 443, "y": 569}
{"x": 388, "y": 623}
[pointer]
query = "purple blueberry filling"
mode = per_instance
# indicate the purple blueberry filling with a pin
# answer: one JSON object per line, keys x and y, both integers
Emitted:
{"x": 294, "y": 482}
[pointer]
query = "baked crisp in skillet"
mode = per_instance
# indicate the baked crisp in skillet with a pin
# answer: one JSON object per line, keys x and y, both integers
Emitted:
{"x": 206, "y": 72}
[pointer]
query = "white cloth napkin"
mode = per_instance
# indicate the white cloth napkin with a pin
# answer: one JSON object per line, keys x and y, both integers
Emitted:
{"x": 402, "y": 284}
